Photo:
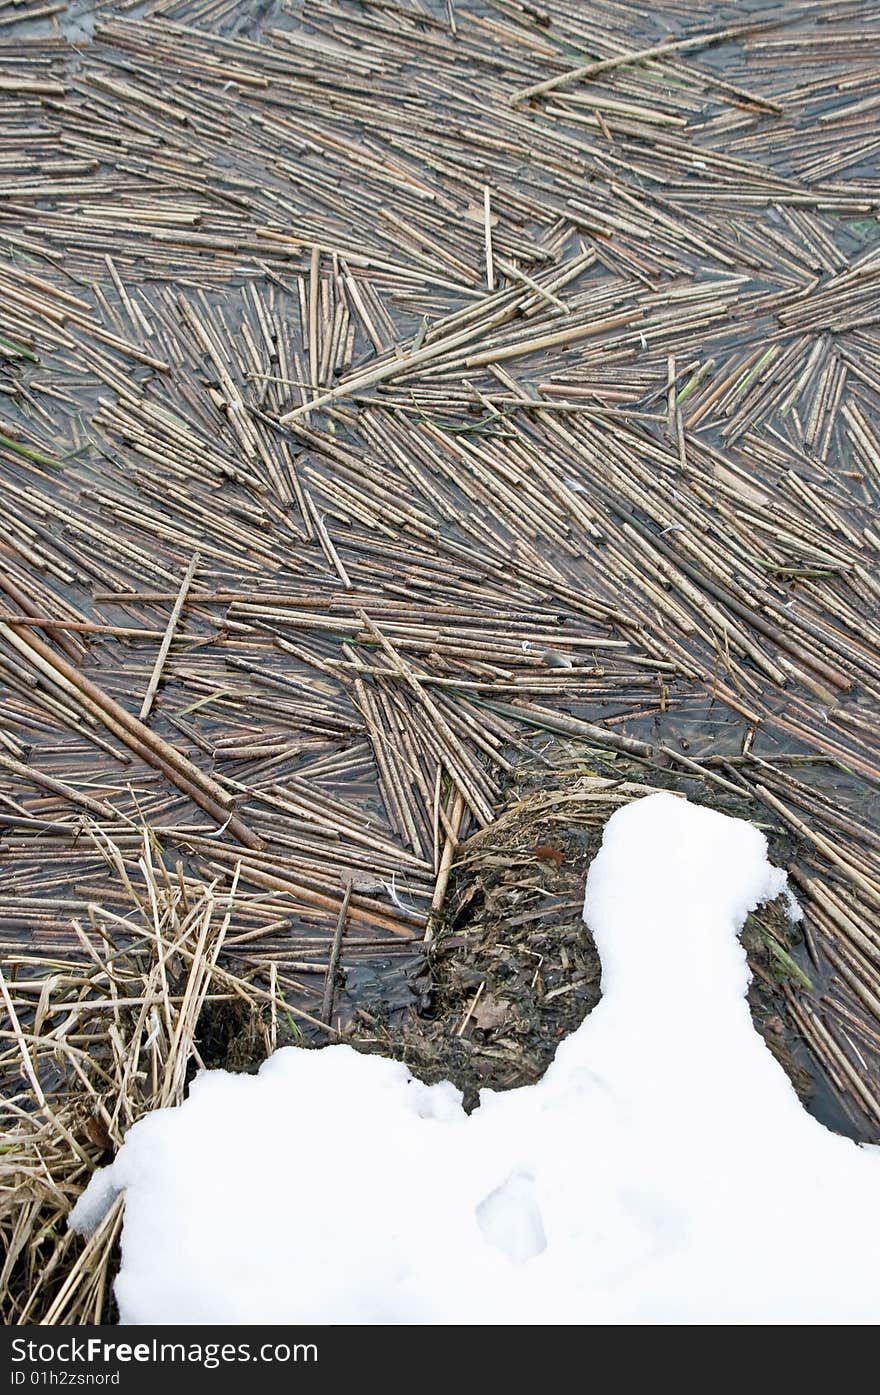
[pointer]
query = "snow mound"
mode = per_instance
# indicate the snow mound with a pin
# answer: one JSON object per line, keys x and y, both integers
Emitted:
{"x": 662, "y": 1171}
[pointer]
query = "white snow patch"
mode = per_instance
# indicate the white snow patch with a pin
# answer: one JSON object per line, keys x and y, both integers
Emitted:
{"x": 662, "y": 1171}
{"x": 95, "y": 1202}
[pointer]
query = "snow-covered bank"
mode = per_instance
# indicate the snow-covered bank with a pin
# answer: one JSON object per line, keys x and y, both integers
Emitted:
{"x": 662, "y": 1171}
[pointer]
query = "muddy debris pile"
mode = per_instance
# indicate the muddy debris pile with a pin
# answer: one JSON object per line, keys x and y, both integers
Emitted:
{"x": 512, "y": 969}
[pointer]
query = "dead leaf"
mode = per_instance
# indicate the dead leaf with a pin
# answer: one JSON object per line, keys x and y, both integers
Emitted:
{"x": 490, "y": 1012}
{"x": 97, "y": 1134}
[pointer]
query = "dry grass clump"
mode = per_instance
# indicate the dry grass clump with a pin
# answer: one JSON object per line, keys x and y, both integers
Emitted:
{"x": 90, "y": 1043}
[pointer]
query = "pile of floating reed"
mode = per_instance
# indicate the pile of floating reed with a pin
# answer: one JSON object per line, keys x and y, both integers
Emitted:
{"x": 387, "y": 385}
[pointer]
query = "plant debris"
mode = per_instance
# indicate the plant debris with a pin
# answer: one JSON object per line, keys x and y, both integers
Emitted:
{"x": 387, "y": 392}
{"x": 514, "y": 969}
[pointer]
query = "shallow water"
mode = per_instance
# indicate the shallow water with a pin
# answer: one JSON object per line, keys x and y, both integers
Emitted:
{"x": 105, "y": 475}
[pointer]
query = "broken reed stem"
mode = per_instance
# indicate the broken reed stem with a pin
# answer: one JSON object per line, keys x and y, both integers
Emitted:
{"x": 449, "y": 850}
{"x": 333, "y": 964}
{"x": 156, "y": 675}
{"x": 138, "y": 737}
{"x": 607, "y": 65}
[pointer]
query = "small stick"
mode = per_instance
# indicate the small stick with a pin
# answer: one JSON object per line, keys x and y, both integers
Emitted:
{"x": 516, "y": 274}
{"x": 605, "y": 65}
{"x": 449, "y": 850}
{"x": 314, "y": 287}
{"x": 24, "y": 604}
{"x": 80, "y": 627}
{"x": 95, "y": 807}
{"x": 164, "y": 647}
{"x": 470, "y": 1012}
{"x": 487, "y": 212}
{"x": 330, "y": 981}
